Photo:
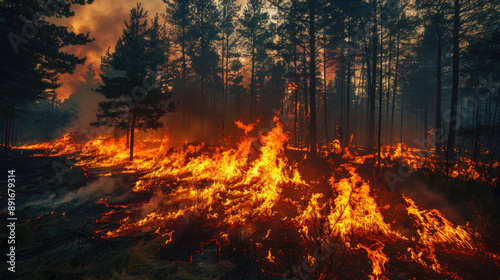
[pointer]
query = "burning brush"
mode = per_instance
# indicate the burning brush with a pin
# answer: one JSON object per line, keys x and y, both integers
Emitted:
{"x": 253, "y": 204}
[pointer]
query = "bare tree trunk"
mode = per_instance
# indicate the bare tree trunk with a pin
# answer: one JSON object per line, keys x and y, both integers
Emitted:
{"x": 438, "y": 97}
{"x": 325, "y": 97}
{"x": 361, "y": 85}
{"x": 127, "y": 144}
{"x": 2, "y": 131}
{"x": 380, "y": 104}
{"x": 402, "y": 110}
{"x": 184, "y": 81}
{"x": 252, "y": 82}
{"x": 426, "y": 78}
{"x": 132, "y": 134}
{"x": 203, "y": 75}
{"x": 306, "y": 103}
{"x": 368, "y": 90}
{"x": 388, "y": 93}
{"x": 395, "y": 89}
{"x": 454, "y": 91}
{"x": 312, "y": 82}
{"x": 425, "y": 122}
{"x": 223, "y": 77}
{"x": 371, "y": 119}
{"x": 496, "y": 109}
{"x": 226, "y": 87}
{"x": 348, "y": 98}
{"x": 342, "y": 90}
{"x": 296, "y": 82}
{"x": 8, "y": 132}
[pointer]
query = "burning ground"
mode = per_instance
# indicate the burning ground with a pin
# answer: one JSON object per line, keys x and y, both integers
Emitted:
{"x": 256, "y": 210}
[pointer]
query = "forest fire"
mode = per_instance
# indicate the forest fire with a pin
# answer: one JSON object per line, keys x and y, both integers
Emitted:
{"x": 253, "y": 198}
{"x": 250, "y": 139}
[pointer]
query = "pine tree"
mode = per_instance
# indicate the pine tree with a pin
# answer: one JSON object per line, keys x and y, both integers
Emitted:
{"x": 32, "y": 57}
{"x": 133, "y": 80}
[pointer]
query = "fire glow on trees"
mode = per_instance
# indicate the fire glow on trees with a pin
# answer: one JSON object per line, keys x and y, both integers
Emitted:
{"x": 253, "y": 198}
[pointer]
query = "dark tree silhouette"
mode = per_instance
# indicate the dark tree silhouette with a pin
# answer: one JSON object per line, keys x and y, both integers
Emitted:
{"x": 134, "y": 80}
{"x": 32, "y": 57}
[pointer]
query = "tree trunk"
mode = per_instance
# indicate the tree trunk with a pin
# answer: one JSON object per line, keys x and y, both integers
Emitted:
{"x": 8, "y": 132}
{"x": 306, "y": 103}
{"x": 426, "y": 78}
{"x": 203, "y": 75}
{"x": 342, "y": 101}
{"x": 296, "y": 82}
{"x": 394, "y": 90}
{"x": 325, "y": 98}
{"x": 438, "y": 97}
{"x": 402, "y": 110}
{"x": 425, "y": 122}
{"x": 388, "y": 93}
{"x": 127, "y": 143}
{"x": 371, "y": 129}
{"x": 184, "y": 80}
{"x": 348, "y": 98}
{"x": 312, "y": 82}
{"x": 368, "y": 90}
{"x": 252, "y": 83}
{"x": 380, "y": 104}
{"x": 223, "y": 78}
{"x": 2, "y": 132}
{"x": 132, "y": 134}
{"x": 497, "y": 103}
{"x": 454, "y": 90}
{"x": 226, "y": 87}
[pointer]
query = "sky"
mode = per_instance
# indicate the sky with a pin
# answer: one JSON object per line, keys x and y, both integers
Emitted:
{"x": 104, "y": 21}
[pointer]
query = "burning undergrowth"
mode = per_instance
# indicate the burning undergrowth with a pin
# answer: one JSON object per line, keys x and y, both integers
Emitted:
{"x": 252, "y": 203}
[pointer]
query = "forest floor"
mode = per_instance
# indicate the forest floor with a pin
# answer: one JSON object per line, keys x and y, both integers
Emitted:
{"x": 57, "y": 226}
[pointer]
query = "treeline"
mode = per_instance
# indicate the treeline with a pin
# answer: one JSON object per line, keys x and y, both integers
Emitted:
{"x": 32, "y": 61}
{"x": 371, "y": 72}
{"x": 378, "y": 71}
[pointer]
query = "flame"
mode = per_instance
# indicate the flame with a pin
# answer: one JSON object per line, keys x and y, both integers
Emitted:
{"x": 252, "y": 189}
{"x": 232, "y": 182}
{"x": 292, "y": 86}
{"x": 435, "y": 231}
{"x": 246, "y": 128}
{"x": 377, "y": 257}
{"x": 269, "y": 257}
{"x": 434, "y": 228}
{"x": 355, "y": 210}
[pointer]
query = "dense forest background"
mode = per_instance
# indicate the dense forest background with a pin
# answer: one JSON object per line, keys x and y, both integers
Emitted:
{"x": 365, "y": 73}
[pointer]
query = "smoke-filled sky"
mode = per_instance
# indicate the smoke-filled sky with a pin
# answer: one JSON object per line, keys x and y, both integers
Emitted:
{"x": 104, "y": 21}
